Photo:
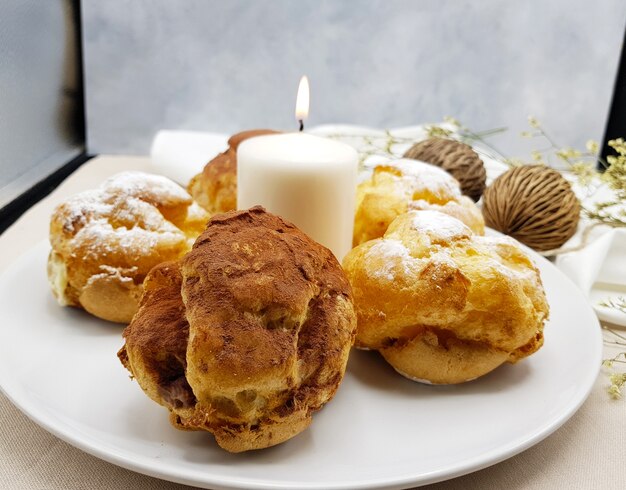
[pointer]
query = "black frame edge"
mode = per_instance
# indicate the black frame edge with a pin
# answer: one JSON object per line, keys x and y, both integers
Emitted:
{"x": 10, "y": 213}
{"x": 616, "y": 121}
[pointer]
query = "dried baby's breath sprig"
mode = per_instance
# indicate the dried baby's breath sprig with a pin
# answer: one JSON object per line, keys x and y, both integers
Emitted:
{"x": 537, "y": 157}
{"x": 617, "y": 303}
{"x": 615, "y": 174}
{"x": 568, "y": 154}
{"x": 374, "y": 145}
{"x": 582, "y": 165}
{"x": 552, "y": 152}
{"x": 532, "y": 121}
{"x": 584, "y": 172}
{"x": 617, "y": 382}
{"x": 617, "y": 379}
{"x": 614, "y": 338}
{"x": 604, "y": 213}
{"x": 592, "y": 147}
{"x": 613, "y": 212}
{"x": 435, "y": 131}
{"x": 514, "y": 162}
{"x": 452, "y": 120}
{"x": 383, "y": 145}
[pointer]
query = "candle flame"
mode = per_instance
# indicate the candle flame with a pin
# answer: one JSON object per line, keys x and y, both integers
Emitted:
{"x": 302, "y": 101}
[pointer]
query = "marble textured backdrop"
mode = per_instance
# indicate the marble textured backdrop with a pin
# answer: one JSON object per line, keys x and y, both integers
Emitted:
{"x": 226, "y": 66}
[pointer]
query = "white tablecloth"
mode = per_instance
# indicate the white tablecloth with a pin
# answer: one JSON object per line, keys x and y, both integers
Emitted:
{"x": 589, "y": 451}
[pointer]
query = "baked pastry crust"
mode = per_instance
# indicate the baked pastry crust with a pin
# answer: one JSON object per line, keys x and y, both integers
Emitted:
{"x": 404, "y": 185}
{"x": 443, "y": 305}
{"x": 247, "y": 335}
{"x": 104, "y": 241}
{"x": 215, "y": 188}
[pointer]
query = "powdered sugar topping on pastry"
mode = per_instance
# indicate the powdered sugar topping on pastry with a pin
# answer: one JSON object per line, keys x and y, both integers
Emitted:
{"x": 104, "y": 241}
{"x": 439, "y": 226}
{"x": 386, "y": 255}
{"x": 423, "y": 175}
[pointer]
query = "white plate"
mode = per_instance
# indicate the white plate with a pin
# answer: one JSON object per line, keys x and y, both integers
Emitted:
{"x": 59, "y": 366}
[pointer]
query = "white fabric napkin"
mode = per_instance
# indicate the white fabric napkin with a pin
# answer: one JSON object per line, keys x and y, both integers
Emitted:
{"x": 599, "y": 270}
{"x": 180, "y": 155}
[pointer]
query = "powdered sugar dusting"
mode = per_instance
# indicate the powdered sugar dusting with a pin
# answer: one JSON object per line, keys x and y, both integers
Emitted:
{"x": 439, "y": 225}
{"x": 124, "y": 213}
{"x": 423, "y": 175}
{"x": 149, "y": 186}
{"x": 393, "y": 254}
{"x": 127, "y": 199}
{"x": 84, "y": 208}
{"x": 101, "y": 238}
{"x": 417, "y": 168}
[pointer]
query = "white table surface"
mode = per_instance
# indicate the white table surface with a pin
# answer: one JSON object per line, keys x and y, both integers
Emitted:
{"x": 589, "y": 451}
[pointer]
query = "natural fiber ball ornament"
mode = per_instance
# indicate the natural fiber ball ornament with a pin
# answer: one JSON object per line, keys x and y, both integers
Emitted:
{"x": 534, "y": 204}
{"x": 456, "y": 158}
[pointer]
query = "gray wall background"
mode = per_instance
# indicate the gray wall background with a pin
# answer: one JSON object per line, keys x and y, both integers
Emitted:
{"x": 226, "y": 66}
{"x": 38, "y": 92}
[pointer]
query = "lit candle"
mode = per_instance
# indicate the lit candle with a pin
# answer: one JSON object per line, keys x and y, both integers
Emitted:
{"x": 308, "y": 180}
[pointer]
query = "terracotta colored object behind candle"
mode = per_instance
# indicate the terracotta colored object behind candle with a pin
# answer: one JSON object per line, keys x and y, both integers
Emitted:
{"x": 215, "y": 188}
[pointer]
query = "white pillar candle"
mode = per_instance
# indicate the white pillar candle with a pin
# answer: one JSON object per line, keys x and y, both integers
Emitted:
{"x": 308, "y": 180}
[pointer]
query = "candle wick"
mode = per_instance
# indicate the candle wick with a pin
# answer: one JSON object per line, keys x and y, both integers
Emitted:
{"x": 301, "y": 124}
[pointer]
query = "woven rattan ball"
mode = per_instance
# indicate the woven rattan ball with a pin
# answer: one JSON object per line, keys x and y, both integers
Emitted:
{"x": 534, "y": 204}
{"x": 457, "y": 159}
